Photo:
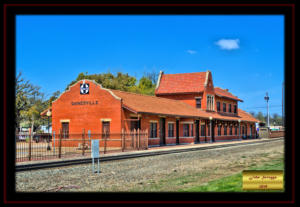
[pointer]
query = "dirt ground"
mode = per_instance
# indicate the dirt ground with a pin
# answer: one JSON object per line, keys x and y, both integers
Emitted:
{"x": 170, "y": 172}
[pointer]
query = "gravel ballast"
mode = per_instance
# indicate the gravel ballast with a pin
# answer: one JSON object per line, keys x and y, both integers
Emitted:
{"x": 170, "y": 172}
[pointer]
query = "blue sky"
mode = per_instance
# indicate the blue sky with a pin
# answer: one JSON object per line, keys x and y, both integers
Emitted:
{"x": 245, "y": 53}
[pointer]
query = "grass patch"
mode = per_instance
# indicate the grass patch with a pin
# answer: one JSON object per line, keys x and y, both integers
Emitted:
{"x": 233, "y": 183}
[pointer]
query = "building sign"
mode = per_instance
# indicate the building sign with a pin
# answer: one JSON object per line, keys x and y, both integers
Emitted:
{"x": 84, "y": 88}
{"x": 84, "y": 102}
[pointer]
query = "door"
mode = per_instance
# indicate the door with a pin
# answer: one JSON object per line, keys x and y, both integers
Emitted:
{"x": 106, "y": 129}
{"x": 65, "y": 129}
{"x": 162, "y": 131}
{"x": 213, "y": 131}
{"x": 177, "y": 131}
{"x": 197, "y": 132}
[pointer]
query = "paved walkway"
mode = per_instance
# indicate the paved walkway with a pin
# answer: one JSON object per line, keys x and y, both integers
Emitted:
{"x": 153, "y": 149}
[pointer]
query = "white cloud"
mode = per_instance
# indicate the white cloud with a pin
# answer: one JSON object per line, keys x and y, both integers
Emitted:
{"x": 228, "y": 44}
{"x": 192, "y": 52}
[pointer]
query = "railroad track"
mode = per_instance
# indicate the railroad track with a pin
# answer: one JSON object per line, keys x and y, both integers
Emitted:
{"x": 36, "y": 166}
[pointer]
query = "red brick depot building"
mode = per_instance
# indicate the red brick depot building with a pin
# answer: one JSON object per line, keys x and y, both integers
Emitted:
{"x": 186, "y": 108}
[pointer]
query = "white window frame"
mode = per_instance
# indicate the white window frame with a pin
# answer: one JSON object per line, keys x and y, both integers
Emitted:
{"x": 210, "y": 100}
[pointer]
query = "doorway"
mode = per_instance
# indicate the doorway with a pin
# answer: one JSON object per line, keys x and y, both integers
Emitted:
{"x": 162, "y": 131}
{"x": 213, "y": 131}
{"x": 177, "y": 131}
{"x": 197, "y": 131}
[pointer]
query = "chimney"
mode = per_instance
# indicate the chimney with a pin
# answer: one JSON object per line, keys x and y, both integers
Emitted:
{"x": 226, "y": 89}
{"x": 159, "y": 77}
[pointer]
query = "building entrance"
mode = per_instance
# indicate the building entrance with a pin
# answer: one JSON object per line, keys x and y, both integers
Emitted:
{"x": 162, "y": 131}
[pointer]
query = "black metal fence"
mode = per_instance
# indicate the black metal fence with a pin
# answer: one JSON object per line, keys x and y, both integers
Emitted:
{"x": 53, "y": 146}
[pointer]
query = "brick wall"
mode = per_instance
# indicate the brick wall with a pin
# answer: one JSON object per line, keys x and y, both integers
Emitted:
{"x": 86, "y": 116}
{"x": 275, "y": 134}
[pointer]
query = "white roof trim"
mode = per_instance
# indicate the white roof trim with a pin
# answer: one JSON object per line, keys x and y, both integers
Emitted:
{"x": 116, "y": 97}
{"x": 159, "y": 77}
{"x": 206, "y": 79}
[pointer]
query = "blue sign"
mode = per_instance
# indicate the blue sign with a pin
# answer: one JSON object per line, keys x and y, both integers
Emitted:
{"x": 95, "y": 148}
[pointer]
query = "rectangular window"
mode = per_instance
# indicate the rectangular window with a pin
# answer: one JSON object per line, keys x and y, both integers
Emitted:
{"x": 218, "y": 106}
{"x": 65, "y": 129}
{"x": 230, "y": 130}
{"x": 171, "y": 130}
{"x": 192, "y": 130}
{"x": 202, "y": 130}
{"x": 236, "y": 129}
{"x": 106, "y": 129}
{"x": 219, "y": 130}
{"x": 186, "y": 130}
{"x": 153, "y": 130}
{"x": 225, "y": 130}
{"x": 224, "y": 107}
{"x": 210, "y": 103}
{"x": 235, "y": 109}
{"x": 198, "y": 103}
{"x": 229, "y": 108}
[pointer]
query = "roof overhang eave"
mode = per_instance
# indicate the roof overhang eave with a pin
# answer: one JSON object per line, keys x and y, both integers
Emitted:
{"x": 236, "y": 99}
{"x": 178, "y": 93}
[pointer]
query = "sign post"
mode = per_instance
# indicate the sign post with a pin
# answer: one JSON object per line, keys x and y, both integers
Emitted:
{"x": 95, "y": 153}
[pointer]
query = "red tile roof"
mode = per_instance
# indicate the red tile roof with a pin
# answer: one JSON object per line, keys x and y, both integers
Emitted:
{"x": 163, "y": 106}
{"x": 157, "y": 105}
{"x": 181, "y": 83}
{"x": 223, "y": 93}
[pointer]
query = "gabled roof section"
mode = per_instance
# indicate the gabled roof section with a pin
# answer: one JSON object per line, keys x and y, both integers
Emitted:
{"x": 181, "y": 83}
{"x": 224, "y": 93}
{"x": 246, "y": 116}
{"x": 156, "y": 105}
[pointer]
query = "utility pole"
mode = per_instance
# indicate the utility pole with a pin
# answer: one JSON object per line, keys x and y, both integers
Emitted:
{"x": 267, "y": 99}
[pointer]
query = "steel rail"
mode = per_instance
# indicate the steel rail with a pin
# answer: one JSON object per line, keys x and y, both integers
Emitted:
{"x": 36, "y": 166}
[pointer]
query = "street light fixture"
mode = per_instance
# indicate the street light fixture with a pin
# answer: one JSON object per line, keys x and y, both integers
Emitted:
{"x": 48, "y": 115}
{"x": 267, "y": 99}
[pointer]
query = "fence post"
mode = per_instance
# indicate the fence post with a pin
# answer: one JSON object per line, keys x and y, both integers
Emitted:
{"x": 147, "y": 138}
{"x": 134, "y": 139}
{"x": 54, "y": 142}
{"x": 89, "y": 134}
{"x": 29, "y": 152}
{"x": 83, "y": 142}
{"x": 139, "y": 137}
{"x": 59, "y": 146}
{"x": 122, "y": 137}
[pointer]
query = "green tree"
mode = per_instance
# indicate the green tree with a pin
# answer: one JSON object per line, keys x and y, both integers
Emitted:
{"x": 26, "y": 94}
{"x": 146, "y": 86}
{"x": 54, "y": 96}
{"x": 153, "y": 76}
{"x": 123, "y": 82}
{"x": 260, "y": 117}
{"x": 276, "y": 119}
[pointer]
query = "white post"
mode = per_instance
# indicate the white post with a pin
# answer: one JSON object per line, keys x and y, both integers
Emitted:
{"x": 210, "y": 118}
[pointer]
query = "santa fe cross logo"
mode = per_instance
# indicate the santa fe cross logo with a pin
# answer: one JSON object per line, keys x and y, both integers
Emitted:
{"x": 84, "y": 88}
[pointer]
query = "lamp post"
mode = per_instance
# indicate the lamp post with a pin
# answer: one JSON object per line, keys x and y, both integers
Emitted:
{"x": 267, "y": 99}
{"x": 210, "y": 124}
{"x": 48, "y": 115}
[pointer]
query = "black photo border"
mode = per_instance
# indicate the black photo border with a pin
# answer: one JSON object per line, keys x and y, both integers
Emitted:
{"x": 9, "y": 45}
